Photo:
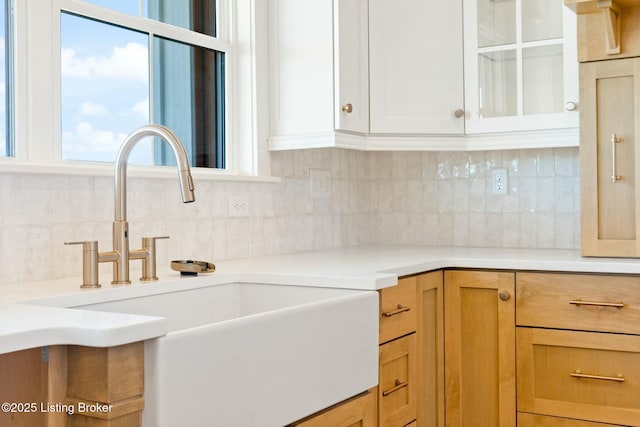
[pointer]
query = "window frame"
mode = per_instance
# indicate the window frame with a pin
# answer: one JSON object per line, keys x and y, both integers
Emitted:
{"x": 38, "y": 87}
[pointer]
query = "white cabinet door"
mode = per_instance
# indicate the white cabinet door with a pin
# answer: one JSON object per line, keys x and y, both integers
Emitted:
{"x": 300, "y": 67}
{"x": 520, "y": 65}
{"x": 351, "y": 44}
{"x": 415, "y": 58}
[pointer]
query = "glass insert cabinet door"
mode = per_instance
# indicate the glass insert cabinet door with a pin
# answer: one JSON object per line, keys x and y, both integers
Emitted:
{"x": 520, "y": 65}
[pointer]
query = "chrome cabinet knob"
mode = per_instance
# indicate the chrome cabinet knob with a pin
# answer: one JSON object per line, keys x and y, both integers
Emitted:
{"x": 571, "y": 106}
{"x": 347, "y": 108}
{"x": 459, "y": 113}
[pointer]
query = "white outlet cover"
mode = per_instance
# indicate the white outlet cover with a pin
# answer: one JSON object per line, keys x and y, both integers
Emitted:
{"x": 500, "y": 181}
{"x": 238, "y": 206}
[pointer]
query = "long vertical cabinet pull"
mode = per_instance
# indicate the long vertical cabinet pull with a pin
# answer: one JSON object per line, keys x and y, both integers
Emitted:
{"x": 614, "y": 173}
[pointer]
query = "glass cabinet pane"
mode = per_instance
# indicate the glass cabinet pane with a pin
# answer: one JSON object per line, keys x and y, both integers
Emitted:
{"x": 496, "y": 22}
{"x": 542, "y": 75}
{"x": 498, "y": 80}
{"x": 541, "y": 20}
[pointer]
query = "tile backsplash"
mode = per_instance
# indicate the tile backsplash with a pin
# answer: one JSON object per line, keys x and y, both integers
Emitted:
{"x": 376, "y": 198}
{"x": 446, "y": 199}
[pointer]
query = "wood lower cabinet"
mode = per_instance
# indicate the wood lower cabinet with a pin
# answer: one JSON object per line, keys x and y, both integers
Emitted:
{"x": 398, "y": 311}
{"x": 430, "y": 349}
{"x": 359, "y": 411}
{"x": 610, "y": 157}
{"x": 23, "y": 381}
{"x": 532, "y": 420}
{"x": 73, "y": 386}
{"x": 602, "y": 303}
{"x": 397, "y": 388}
{"x": 584, "y": 375}
{"x": 578, "y": 348}
{"x": 480, "y": 348}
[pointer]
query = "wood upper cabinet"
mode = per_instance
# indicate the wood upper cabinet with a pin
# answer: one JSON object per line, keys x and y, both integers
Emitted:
{"x": 607, "y": 29}
{"x": 480, "y": 348}
{"x": 610, "y": 157}
{"x": 415, "y": 57}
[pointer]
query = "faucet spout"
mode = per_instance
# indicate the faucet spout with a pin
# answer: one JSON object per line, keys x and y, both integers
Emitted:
{"x": 121, "y": 251}
{"x": 184, "y": 171}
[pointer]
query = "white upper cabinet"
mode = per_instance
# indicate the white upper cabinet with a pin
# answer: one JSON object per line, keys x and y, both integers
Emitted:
{"x": 300, "y": 67}
{"x": 399, "y": 75}
{"x": 351, "y": 44}
{"x": 520, "y": 65}
{"x": 415, "y": 59}
{"x": 318, "y": 72}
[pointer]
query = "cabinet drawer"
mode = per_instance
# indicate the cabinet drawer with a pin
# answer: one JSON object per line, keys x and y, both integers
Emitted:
{"x": 359, "y": 410}
{"x": 398, "y": 309}
{"x": 532, "y": 420}
{"x": 582, "y": 375}
{"x": 397, "y": 388}
{"x": 579, "y": 301}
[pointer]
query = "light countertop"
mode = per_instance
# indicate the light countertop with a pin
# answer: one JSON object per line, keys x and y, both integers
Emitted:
{"x": 34, "y": 314}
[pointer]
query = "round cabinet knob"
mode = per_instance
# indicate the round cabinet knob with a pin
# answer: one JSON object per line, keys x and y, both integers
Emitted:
{"x": 571, "y": 106}
{"x": 459, "y": 113}
{"x": 504, "y": 295}
{"x": 347, "y": 108}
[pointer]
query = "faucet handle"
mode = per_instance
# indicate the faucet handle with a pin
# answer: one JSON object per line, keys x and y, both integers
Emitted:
{"x": 90, "y": 258}
{"x": 151, "y": 241}
{"x": 149, "y": 262}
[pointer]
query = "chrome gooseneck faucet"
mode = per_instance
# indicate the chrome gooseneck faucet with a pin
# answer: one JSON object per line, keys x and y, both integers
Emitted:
{"x": 121, "y": 255}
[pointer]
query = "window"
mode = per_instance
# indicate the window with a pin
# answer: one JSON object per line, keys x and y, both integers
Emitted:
{"x": 88, "y": 72}
{"x": 124, "y": 64}
{"x": 6, "y": 79}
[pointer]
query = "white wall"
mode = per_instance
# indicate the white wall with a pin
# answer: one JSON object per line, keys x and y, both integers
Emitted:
{"x": 377, "y": 198}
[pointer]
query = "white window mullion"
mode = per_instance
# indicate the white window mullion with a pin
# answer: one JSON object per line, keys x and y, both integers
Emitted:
{"x": 21, "y": 39}
{"x": 37, "y": 44}
{"x": 56, "y": 87}
{"x": 152, "y": 116}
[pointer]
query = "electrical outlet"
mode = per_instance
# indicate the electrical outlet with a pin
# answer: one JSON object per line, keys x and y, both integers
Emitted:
{"x": 238, "y": 206}
{"x": 319, "y": 183}
{"x": 500, "y": 181}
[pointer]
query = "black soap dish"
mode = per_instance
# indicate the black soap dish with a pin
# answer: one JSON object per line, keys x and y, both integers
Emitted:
{"x": 192, "y": 268}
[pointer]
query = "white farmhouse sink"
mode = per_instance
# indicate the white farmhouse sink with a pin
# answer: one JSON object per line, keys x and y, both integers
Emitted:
{"x": 243, "y": 354}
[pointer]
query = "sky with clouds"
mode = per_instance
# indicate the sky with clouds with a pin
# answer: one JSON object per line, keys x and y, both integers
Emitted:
{"x": 104, "y": 89}
{"x": 104, "y": 84}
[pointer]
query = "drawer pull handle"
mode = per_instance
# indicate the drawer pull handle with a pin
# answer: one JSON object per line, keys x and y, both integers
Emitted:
{"x": 578, "y": 374}
{"x": 579, "y": 302}
{"x": 397, "y": 386}
{"x": 400, "y": 309}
